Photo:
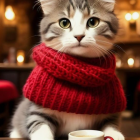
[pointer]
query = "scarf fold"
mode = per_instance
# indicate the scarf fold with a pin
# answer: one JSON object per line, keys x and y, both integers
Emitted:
{"x": 66, "y": 67}
{"x": 73, "y": 84}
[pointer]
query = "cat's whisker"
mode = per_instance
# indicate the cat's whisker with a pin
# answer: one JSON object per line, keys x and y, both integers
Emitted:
{"x": 95, "y": 50}
{"x": 58, "y": 55}
{"x": 57, "y": 45}
{"x": 103, "y": 42}
{"x": 107, "y": 52}
{"x": 115, "y": 45}
{"x": 107, "y": 43}
{"x": 100, "y": 45}
{"x": 59, "y": 51}
{"x": 95, "y": 45}
{"x": 33, "y": 47}
{"x": 53, "y": 44}
{"x": 35, "y": 36}
{"x": 104, "y": 51}
{"x": 39, "y": 8}
{"x": 36, "y": 4}
{"x": 100, "y": 51}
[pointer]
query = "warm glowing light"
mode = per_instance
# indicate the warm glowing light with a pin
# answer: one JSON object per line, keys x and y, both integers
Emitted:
{"x": 130, "y": 62}
{"x": 135, "y": 15}
{"x": 128, "y": 16}
{"x": 20, "y": 58}
{"x": 118, "y": 63}
{"x": 9, "y": 14}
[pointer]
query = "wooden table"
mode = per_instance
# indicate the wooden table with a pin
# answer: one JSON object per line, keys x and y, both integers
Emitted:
{"x": 26, "y": 139}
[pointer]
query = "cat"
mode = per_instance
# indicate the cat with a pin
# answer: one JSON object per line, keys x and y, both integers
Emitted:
{"x": 84, "y": 28}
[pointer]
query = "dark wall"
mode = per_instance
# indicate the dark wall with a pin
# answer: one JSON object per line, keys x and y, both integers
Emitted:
{"x": 23, "y": 32}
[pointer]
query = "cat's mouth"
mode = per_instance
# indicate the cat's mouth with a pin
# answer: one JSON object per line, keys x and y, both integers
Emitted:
{"x": 79, "y": 46}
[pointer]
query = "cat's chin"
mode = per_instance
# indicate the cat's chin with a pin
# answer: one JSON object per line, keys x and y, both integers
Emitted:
{"x": 83, "y": 51}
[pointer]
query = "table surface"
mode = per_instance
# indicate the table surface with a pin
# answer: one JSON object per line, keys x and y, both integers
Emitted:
{"x": 17, "y": 67}
{"x": 26, "y": 139}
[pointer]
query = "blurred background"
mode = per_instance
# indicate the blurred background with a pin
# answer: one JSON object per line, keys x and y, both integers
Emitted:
{"x": 19, "y": 33}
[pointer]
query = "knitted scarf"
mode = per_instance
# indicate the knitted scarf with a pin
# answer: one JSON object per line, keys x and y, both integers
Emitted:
{"x": 73, "y": 84}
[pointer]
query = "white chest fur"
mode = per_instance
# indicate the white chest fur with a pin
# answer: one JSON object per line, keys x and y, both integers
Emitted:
{"x": 71, "y": 122}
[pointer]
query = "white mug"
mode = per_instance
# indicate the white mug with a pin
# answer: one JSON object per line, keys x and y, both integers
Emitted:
{"x": 86, "y": 135}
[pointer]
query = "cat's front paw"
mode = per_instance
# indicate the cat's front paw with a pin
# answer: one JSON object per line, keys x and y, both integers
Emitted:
{"x": 40, "y": 137}
{"x": 115, "y": 134}
{"x": 42, "y": 133}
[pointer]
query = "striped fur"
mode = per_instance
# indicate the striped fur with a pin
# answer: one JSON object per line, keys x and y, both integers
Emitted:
{"x": 37, "y": 123}
{"x": 29, "y": 118}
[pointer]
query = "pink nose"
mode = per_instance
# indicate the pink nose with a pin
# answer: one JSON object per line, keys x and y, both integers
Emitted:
{"x": 79, "y": 38}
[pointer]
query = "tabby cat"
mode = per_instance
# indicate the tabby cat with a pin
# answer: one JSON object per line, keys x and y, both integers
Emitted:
{"x": 84, "y": 28}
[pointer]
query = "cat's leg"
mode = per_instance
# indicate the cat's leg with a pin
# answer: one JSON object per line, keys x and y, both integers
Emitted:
{"x": 110, "y": 126}
{"x": 41, "y": 126}
{"x": 15, "y": 134}
{"x": 44, "y": 132}
{"x": 113, "y": 132}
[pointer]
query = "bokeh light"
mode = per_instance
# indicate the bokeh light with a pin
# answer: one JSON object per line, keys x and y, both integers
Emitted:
{"x": 9, "y": 14}
{"x": 128, "y": 16}
{"x": 130, "y": 62}
{"x": 135, "y": 15}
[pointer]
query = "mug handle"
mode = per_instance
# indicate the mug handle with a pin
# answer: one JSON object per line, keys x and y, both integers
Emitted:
{"x": 108, "y": 138}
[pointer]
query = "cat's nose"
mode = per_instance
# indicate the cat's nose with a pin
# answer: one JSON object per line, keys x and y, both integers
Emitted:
{"x": 80, "y": 37}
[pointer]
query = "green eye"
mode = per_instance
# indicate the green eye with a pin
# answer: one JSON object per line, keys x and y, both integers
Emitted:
{"x": 93, "y": 22}
{"x": 64, "y": 23}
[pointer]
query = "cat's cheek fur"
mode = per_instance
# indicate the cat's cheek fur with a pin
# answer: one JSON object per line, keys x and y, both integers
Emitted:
{"x": 48, "y": 5}
{"x": 68, "y": 41}
{"x": 103, "y": 41}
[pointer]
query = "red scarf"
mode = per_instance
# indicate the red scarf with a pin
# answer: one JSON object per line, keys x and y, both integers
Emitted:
{"x": 73, "y": 84}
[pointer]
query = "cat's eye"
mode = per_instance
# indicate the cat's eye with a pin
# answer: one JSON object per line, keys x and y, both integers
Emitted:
{"x": 64, "y": 23}
{"x": 93, "y": 22}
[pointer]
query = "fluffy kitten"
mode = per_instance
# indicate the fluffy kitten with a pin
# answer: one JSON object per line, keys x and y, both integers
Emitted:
{"x": 78, "y": 27}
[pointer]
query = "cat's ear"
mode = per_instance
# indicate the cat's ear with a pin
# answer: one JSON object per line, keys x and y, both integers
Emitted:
{"x": 48, "y": 5}
{"x": 108, "y": 4}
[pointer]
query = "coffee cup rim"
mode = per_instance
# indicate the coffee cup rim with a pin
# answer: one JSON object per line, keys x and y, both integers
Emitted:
{"x": 100, "y": 134}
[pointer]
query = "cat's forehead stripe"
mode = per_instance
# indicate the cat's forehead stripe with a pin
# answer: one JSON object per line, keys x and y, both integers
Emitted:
{"x": 81, "y": 5}
{"x": 72, "y": 4}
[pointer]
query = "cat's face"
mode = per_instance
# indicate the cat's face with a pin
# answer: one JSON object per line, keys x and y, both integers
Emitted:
{"x": 79, "y": 27}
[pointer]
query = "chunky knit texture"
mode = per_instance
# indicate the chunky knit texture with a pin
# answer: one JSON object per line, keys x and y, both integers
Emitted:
{"x": 73, "y": 84}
